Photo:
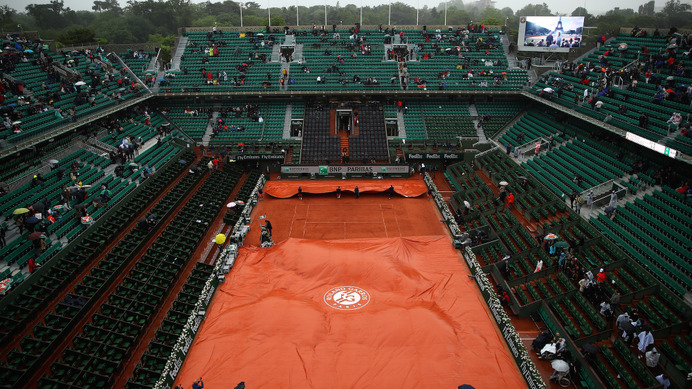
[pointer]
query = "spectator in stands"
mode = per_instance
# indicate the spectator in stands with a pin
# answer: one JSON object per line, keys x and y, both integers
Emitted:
{"x": 646, "y": 338}
{"x": 510, "y": 200}
{"x": 644, "y": 120}
{"x": 652, "y": 357}
{"x": 621, "y": 320}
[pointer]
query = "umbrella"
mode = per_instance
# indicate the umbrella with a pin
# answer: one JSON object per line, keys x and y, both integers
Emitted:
{"x": 548, "y": 90}
{"x": 646, "y": 327}
{"x": 20, "y": 211}
{"x": 161, "y": 79}
{"x": 17, "y": 122}
{"x": 38, "y": 207}
{"x": 165, "y": 124}
{"x": 79, "y": 206}
{"x": 28, "y": 51}
{"x": 465, "y": 386}
{"x": 19, "y": 82}
{"x": 80, "y": 83}
{"x": 504, "y": 183}
{"x": 522, "y": 178}
{"x": 550, "y": 236}
{"x": 562, "y": 244}
{"x": 560, "y": 365}
{"x": 590, "y": 348}
{"x": 194, "y": 168}
{"x": 58, "y": 207}
{"x": 231, "y": 204}
{"x": 182, "y": 161}
{"x": 133, "y": 164}
{"x": 31, "y": 220}
{"x": 53, "y": 161}
{"x": 35, "y": 235}
{"x": 628, "y": 327}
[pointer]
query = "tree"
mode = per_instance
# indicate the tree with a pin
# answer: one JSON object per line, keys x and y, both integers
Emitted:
{"x": 581, "y": 11}
{"x": 77, "y": 35}
{"x": 535, "y": 10}
{"x": 674, "y": 7}
{"x": 647, "y": 8}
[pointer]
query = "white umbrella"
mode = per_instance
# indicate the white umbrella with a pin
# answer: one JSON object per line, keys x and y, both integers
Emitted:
{"x": 504, "y": 183}
{"x": 548, "y": 90}
{"x": 231, "y": 204}
{"x": 560, "y": 365}
{"x": 80, "y": 83}
{"x": 16, "y": 122}
{"x": 53, "y": 161}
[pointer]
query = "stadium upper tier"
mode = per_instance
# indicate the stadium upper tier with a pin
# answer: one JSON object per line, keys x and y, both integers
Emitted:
{"x": 42, "y": 90}
{"x": 640, "y": 82}
{"x": 369, "y": 60}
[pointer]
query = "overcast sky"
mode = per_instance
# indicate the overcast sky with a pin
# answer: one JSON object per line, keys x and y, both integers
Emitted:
{"x": 593, "y": 6}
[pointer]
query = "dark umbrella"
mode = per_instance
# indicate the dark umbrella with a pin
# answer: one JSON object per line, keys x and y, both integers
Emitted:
{"x": 35, "y": 235}
{"x": 627, "y": 327}
{"x": 79, "y": 206}
{"x": 38, "y": 207}
{"x": 194, "y": 168}
{"x": 646, "y": 327}
{"x": 522, "y": 178}
{"x": 31, "y": 220}
{"x": 466, "y": 386}
{"x": 590, "y": 348}
{"x": 19, "y": 82}
{"x": 182, "y": 161}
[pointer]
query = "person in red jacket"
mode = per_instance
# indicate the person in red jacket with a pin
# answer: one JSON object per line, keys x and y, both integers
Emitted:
{"x": 510, "y": 200}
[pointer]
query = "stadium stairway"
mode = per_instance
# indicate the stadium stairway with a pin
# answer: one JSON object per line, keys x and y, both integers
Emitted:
{"x": 179, "y": 51}
{"x": 401, "y": 124}
{"x": 77, "y": 275}
{"x": 99, "y": 315}
{"x": 210, "y": 129}
{"x": 205, "y": 253}
{"x": 287, "y": 121}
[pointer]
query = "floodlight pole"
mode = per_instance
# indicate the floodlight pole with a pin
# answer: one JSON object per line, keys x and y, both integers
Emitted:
{"x": 361, "y": 13}
{"x": 390, "y": 14}
{"x": 325, "y": 14}
{"x": 417, "y": 8}
{"x": 269, "y": 13}
{"x": 445, "y": 13}
{"x": 297, "y": 17}
{"x": 241, "y": 14}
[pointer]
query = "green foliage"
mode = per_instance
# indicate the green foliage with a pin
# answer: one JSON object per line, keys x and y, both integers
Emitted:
{"x": 647, "y": 8}
{"x": 77, "y": 35}
{"x": 493, "y": 22}
{"x": 165, "y": 43}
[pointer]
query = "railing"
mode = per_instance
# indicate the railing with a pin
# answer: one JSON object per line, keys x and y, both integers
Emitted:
{"x": 129, "y": 71}
{"x": 182, "y": 133}
{"x": 66, "y": 124}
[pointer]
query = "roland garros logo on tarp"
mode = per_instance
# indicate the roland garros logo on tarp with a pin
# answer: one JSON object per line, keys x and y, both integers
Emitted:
{"x": 347, "y": 298}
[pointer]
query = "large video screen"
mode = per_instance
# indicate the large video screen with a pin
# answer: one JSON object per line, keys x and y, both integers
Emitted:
{"x": 550, "y": 33}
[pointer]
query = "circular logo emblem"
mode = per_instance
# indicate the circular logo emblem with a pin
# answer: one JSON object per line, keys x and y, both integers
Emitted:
{"x": 347, "y": 298}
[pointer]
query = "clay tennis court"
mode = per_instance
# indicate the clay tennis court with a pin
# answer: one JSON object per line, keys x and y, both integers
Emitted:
{"x": 356, "y": 293}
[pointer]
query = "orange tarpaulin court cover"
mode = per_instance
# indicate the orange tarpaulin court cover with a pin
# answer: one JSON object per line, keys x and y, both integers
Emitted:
{"x": 361, "y": 313}
{"x": 287, "y": 188}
